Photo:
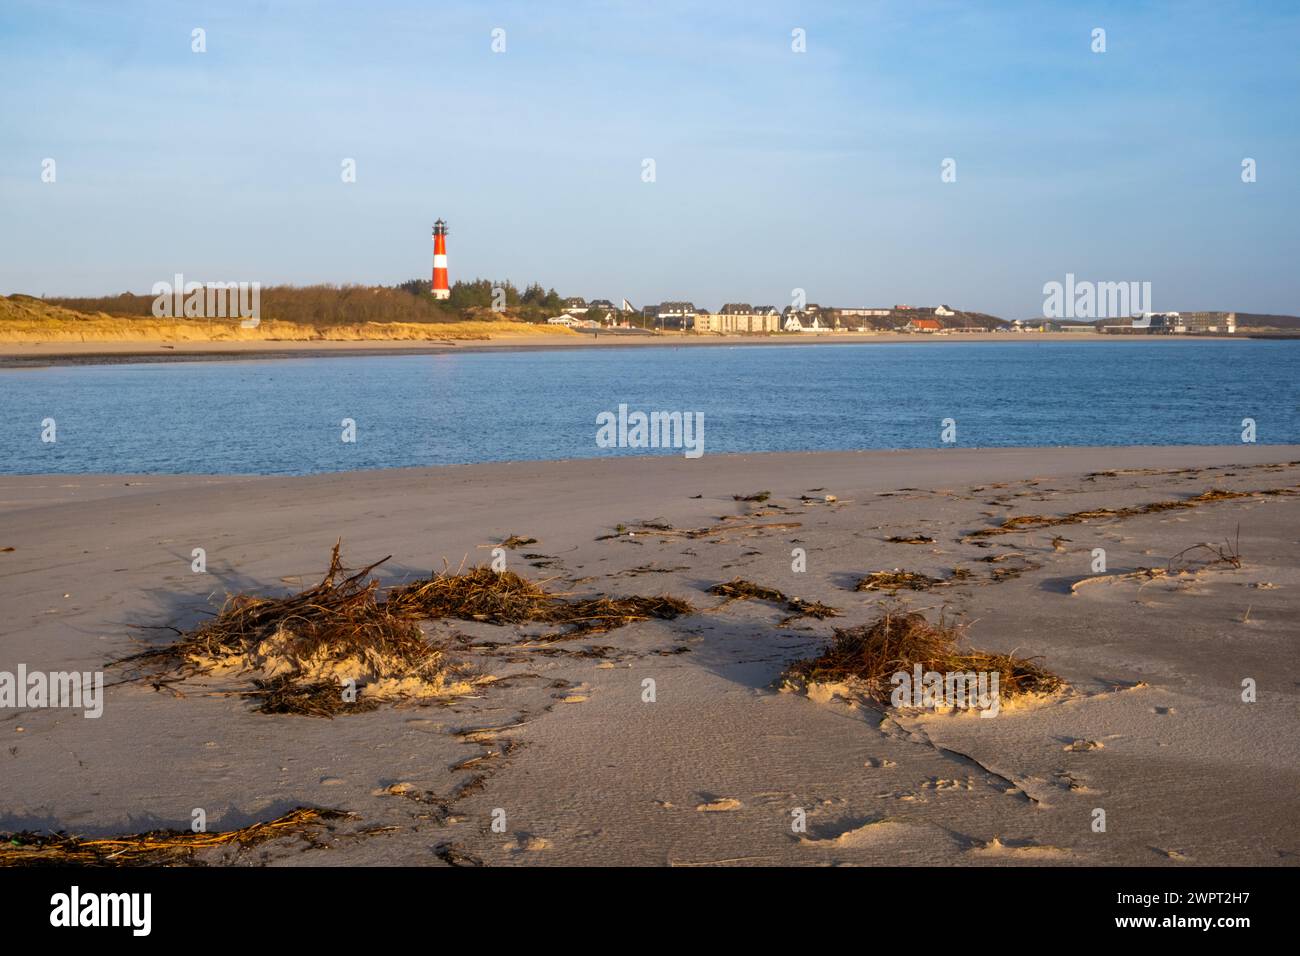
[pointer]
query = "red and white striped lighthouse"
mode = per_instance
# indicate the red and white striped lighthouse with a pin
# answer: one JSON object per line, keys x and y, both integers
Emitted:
{"x": 440, "y": 288}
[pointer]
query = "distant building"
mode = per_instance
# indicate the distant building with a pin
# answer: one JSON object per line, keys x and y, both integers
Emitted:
{"x": 673, "y": 315}
{"x": 1176, "y": 323}
{"x": 923, "y": 311}
{"x": 923, "y": 325}
{"x": 1020, "y": 326}
{"x": 896, "y": 316}
{"x": 567, "y": 321}
{"x": 1211, "y": 322}
{"x": 804, "y": 322}
{"x": 748, "y": 322}
{"x": 1159, "y": 322}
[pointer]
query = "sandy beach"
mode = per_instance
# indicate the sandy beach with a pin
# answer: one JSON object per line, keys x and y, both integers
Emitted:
{"x": 32, "y": 354}
{"x": 563, "y": 747}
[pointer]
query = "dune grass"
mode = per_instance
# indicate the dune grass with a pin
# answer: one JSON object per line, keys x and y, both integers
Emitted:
{"x": 24, "y": 319}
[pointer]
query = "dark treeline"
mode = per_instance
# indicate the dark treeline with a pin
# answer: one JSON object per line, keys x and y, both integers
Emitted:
{"x": 319, "y": 305}
{"x": 481, "y": 294}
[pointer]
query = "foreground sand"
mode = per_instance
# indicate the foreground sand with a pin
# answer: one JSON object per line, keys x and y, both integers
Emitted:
{"x": 1153, "y": 730}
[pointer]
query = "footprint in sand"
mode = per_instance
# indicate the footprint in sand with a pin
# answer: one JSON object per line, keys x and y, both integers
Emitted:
{"x": 1018, "y": 849}
{"x": 855, "y": 834}
{"x": 1078, "y": 746}
{"x": 530, "y": 843}
{"x": 1163, "y": 711}
{"x": 719, "y": 805}
{"x": 904, "y": 795}
{"x": 1072, "y": 782}
{"x": 576, "y": 693}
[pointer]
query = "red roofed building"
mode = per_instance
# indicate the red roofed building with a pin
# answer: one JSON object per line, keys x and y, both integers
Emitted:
{"x": 923, "y": 325}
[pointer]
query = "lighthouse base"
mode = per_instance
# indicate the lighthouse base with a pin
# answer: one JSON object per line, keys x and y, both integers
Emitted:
{"x": 442, "y": 293}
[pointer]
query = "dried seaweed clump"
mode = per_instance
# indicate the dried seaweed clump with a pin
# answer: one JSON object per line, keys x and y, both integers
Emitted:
{"x": 157, "y": 847}
{"x": 336, "y": 648}
{"x": 734, "y": 524}
{"x": 503, "y": 597}
{"x": 869, "y": 655}
{"x": 310, "y": 650}
{"x": 815, "y": 609}
{"x": 285, "y": 695}
{"x": 1210, "y": 554}
{"x": 479, "y": 594}
{"x": 739, "y": 589}
{"x": 896, "y": 580}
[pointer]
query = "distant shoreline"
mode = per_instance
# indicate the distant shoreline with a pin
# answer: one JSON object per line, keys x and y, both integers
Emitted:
{"x": 41, "y": 354}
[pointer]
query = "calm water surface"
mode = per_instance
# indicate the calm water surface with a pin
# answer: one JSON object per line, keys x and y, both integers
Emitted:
{"x": 283, "y": 417}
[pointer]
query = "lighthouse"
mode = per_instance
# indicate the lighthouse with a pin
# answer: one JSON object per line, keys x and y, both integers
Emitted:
{"x": 440, "y": 288}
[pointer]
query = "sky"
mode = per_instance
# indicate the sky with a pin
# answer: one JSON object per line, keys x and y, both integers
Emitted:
{"x": 774, "y": 170}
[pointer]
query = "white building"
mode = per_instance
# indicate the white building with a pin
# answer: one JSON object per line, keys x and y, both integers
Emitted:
{"x": 805, "y": 323}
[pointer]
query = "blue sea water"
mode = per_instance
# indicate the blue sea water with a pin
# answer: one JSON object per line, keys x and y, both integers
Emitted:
{"x": 284, "y": 417}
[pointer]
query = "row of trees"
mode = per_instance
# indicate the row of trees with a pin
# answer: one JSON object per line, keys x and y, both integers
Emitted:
{"x": 410, "y": 301}
{"x": 483, "y": 294}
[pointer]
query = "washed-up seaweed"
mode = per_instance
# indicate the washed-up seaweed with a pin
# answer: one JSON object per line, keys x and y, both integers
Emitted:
{"x": 1020, "y": 523}
{"x": 338, "y": 648}
{"x": 740, "y": 589}
{"x": 871, "y": 654}
{"x": 503, "y": 597}
{"x": 896, "y": 580}
{"x": 156, "y": 847}
{"x": 313, "y": 650}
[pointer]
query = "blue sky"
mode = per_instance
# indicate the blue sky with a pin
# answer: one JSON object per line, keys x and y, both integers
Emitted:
{"x": 774, "y": 170}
